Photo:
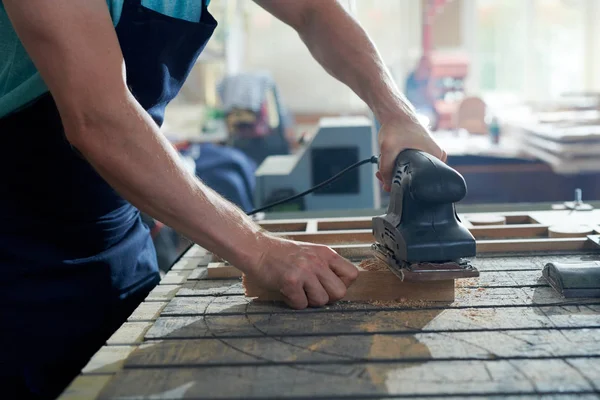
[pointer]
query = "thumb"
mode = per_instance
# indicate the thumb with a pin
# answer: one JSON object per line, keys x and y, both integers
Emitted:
{"x": 387, "y": 163}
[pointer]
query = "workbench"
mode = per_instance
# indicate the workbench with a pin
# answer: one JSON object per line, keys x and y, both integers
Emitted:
{"x": 507, "y": 333}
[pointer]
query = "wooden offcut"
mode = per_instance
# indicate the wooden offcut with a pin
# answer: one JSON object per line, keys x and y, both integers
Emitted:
{"x": 379, "y": 284}
{"x": 373, "y": 286}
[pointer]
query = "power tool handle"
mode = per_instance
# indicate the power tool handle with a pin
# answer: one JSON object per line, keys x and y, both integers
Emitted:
{"x": 427, "y": 178}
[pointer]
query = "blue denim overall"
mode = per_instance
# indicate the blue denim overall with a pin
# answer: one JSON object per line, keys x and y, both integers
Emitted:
{"x": 75, "y": 257}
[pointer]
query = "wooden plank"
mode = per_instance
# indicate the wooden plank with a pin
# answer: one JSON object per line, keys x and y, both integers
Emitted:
{"x": 85, "y": 387}
{"x": 353, "y": 223}
{"x": 357, "y": 223}
{"x": 199, "y": 273}
{"x": 186, "y": 263}
{"x": 356, "y": 380}
{"x": 325, "y": 224}
{"x": 375, "y": 322}
{"x": 509, "y": 231}
{"x": 335, "y": 225}
{"x": 532, "y": 245}
{"x": 284, "y": 225}
{"x": 366, "y": 235}
{"x": 485, "y": 247}
{"x": 108, "y": 360}
{"x": 353, "y": 251}
{"x": 129, "y": 333}
{"x": 332, "y": 237}
{"x": 195, "y": 252}
{"x": 163, "y": 293}
{"x": 373, "y": 285}
{"x": 508, "y": 218}
{"x": 175, "y": 277}
{"x": 147, "y": 311}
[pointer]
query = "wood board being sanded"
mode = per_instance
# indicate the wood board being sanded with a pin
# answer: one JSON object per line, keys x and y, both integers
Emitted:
{"x": 374, "y": 283}
{"x": 513, "y": 232}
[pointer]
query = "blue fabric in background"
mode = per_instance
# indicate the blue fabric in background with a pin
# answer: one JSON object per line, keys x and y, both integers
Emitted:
{"x": 228, "y": 171}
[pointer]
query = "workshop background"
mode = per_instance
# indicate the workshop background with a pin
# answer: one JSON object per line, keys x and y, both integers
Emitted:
{"x": 514, "y": 88}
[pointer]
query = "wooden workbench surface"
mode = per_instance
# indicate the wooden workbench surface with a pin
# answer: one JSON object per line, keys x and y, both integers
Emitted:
{"x": 506, "y": 333}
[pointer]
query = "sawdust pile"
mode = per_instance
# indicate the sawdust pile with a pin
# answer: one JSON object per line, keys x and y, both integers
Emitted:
{"x": 373, "y": 264}
{"x": 403, "y": 303}
{"x": 466, "y": 282}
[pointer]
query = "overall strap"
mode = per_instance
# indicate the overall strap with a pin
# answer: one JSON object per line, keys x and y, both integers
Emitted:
{"x": 132, "y": 4}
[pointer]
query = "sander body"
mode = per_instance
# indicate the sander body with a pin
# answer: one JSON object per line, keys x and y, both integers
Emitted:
{"x": 421, "y": 237}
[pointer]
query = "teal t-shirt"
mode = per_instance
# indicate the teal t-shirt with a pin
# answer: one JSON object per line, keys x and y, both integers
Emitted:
{"x": 20, "y": 82}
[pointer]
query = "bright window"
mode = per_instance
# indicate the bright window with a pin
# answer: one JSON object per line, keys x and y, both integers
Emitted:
{"x": 530, "y": 48}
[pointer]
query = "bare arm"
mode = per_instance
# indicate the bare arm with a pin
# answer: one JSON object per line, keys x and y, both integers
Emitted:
{"x": 75, "y": 48}
{"x": 343, "y": 48}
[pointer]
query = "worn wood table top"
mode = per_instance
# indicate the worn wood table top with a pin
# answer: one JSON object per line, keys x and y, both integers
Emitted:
{"x": 507, "y": 333}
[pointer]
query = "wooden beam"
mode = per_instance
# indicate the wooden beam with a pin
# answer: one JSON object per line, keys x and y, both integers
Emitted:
{"x": 284, "y": 225}
{"x": 374, "y": 286}
{"x": 331, "y": 237}
{"x": 531, "y": 245}
{"x": 366, "y": 235}
{"x": 359, "y": 223}
{"x": 354, "y": 223}
{"x": 325, "y": 224}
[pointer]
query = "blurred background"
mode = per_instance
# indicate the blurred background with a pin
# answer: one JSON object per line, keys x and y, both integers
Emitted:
{"x": 510, "y": 88}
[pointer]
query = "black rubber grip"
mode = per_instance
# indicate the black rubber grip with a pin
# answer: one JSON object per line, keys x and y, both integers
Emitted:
{"x": 428, "y": 178}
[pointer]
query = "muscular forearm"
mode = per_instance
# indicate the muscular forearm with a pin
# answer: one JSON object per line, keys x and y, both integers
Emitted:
{"x": 343, "y": 48}
{"x": 127, "y": 149}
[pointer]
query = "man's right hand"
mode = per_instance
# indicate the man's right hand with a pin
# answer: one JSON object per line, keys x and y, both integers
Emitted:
{"x": 307, "y": 275}
{"x": 398, "y": 135}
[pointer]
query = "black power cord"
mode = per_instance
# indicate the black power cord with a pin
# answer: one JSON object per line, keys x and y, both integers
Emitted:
{"x": 372, "y": 160}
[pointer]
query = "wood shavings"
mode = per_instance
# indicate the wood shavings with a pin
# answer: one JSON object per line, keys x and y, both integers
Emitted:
{"x": 373, "y": 264}
{"x": 402, "y": 303}
{"x": 466, "y": 282}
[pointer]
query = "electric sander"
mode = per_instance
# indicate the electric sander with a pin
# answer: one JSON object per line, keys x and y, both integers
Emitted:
{"x": 421, "y": 238}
